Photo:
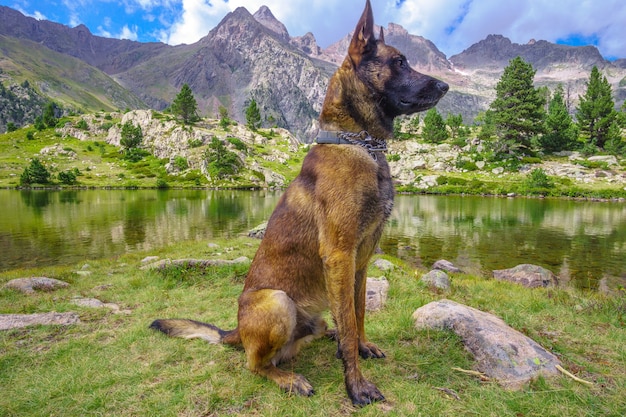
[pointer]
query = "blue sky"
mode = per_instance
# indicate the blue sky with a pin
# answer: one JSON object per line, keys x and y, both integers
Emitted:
{"x": 453, "y": 25}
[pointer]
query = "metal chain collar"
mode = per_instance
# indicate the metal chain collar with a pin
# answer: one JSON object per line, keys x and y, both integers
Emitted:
{"x": 363, "y": 139}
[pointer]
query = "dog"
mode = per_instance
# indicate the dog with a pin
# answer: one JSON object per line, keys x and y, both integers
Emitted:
{"x": 327, "y": 224}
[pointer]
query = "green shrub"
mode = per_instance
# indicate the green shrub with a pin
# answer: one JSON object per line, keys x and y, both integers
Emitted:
{"x": 238, "y": 144}
{"x": 181, "y": 163}
{"x": 67, "y": 177}
{"x": 466, "y": 165}
{"x": 82, "y": 124}
{"x": 161, "y": 184}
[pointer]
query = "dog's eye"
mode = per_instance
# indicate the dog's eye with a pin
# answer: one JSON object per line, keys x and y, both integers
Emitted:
{"x": 400, "y": 62}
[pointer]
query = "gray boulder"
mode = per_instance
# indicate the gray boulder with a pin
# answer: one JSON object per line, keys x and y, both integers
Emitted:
{"x": 376, "y": 293}
{"x": 437, "y": 279}
{"x": 15, "y": 321}
{"x": 384, "y": 265}
{"x": 448, "y": 266}
{"x": 501, "y": 353}
{"x": 30, "y": 285}
{"x": 531, "y": 276}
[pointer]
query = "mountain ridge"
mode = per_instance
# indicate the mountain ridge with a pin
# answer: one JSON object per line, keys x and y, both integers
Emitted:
{"x": 252, "y": 56}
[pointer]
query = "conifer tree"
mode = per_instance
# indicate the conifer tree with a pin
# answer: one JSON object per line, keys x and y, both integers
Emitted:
{"x": 49, "y": 114}
{"x": 455, "y": 123}
{"x": 253, "y": 115}
{"x": 35, "y": 173}
{"x": 434, "y": 127}
{"x": 596, "y": 111}
{"x": 518, "y": 111}
{"x": 131, "y": 140}
{"x": 185, "y": 105}
{"x": 561, "y": 132}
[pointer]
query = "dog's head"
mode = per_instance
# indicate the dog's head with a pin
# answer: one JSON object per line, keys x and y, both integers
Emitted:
{"x": 385, "y": 70}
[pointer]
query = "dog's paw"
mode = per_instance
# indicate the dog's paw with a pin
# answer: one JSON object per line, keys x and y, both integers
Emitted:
{"x": 363, "y": 393}
{"x": 369, "y": 350}
{"x": 299, "y": 385}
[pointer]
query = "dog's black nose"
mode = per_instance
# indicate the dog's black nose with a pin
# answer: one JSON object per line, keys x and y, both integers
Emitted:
{"x": 443, "y": 87}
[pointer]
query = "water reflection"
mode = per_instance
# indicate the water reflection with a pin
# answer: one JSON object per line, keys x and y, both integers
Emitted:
{"x": 581, "y": 242}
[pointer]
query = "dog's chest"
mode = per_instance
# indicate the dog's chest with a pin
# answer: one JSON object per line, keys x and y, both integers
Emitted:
{"x": 385, "y": 189}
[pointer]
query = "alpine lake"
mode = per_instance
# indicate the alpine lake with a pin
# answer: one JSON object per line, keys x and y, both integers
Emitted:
{"x": 582, "y": 242}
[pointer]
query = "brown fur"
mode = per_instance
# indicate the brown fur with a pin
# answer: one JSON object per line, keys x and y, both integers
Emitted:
{"x": 326, "y": 226}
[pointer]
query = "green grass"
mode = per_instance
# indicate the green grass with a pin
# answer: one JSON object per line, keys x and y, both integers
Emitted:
{"x": 112, "y": 364}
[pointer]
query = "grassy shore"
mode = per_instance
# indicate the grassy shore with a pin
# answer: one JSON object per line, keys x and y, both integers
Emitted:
{"x": 98, "y": 164}
{"x": 113, "y": 365}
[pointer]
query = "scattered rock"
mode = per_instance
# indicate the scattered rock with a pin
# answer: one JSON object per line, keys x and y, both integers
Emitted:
{"x": 376, "y": 293}
{"x": 501, "y": 352}
{"x": 444, "y": 265}
{"x": 384, "y": 265}
{"x": 608, "y": 159}
{"x": 437, "y": 279}
{"x": 149, "y": 259}
{"x": 15, "y": 321}
{"x": 258, "y": 232}
{"x": 95, "y": 303}
{"x": 528, "y": 275}
{"x": 30, "y": 285}
{"x": 103, "y": 287}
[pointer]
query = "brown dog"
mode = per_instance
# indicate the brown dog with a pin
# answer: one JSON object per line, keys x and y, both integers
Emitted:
{"x": 327, "y": 224}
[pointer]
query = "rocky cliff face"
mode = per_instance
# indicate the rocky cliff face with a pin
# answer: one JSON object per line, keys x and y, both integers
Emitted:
{"x": 481, "y": 65}
{"x": 495, "y": 52}
{"x": 239, "y": 60}
{"x": 421, "y": 53}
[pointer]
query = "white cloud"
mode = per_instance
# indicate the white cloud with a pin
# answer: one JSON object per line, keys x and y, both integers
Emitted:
{"x": 104, "y": 33}
{"x": 39, "y": 16}
{"x": 454, "y": 25}
{"x": 197, "y": 19}
{"x": 128, "y": 33}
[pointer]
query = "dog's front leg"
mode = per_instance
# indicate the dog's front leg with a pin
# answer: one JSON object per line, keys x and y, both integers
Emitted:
{"x": 340, "y": 276}
{"x": 367, "y": 349}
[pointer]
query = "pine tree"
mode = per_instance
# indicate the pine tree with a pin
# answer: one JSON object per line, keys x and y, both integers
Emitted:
{"x": 596, "y": 111}
{"x": 561, "y": 132}
{"x": 131, "y": 135}
{"x": 35, "y": 173}
{"x": 49, "y": 114}
{"x": 221, "y": 161}
{"x": 131, "y": 139}
{"x": 434, "y": 127}
{"x": 253, "y": 115}
{"x": 518, "y": 112}
{"x": 185, "y": 105}
{"x": 455, "y": 123}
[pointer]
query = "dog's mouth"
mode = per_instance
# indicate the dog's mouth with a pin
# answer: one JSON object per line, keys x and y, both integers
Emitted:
{"x": 437, "y": 89}
{"x": 418, "y": 105}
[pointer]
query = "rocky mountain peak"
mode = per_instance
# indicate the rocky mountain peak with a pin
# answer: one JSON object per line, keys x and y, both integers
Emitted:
{"x": 307, "y": 44}
{"x": 265, "y": 17}
{"x": 495, "y": 52}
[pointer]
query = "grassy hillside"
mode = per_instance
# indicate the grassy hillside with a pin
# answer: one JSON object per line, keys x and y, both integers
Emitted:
{"x": 66, "y": 80}
{"x": 97, "y": 163}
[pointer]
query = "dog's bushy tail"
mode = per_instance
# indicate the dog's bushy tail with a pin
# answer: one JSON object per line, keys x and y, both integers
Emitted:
{"x": 191, "y": 329}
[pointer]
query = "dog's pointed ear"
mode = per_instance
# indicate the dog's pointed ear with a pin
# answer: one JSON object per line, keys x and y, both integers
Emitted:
{"x": 381, "y": 36}
{"x": 363, "y": 39}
